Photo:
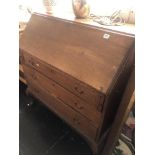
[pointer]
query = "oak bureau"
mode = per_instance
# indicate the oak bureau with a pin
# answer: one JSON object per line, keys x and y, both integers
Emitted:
{"x": 77, "y": 70}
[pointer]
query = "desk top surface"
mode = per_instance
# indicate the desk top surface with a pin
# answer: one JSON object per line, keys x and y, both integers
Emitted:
{"x": 77, "y": 49}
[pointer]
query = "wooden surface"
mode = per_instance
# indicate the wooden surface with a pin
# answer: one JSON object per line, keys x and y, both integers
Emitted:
{"x": 67, "y": 62}
{"x": 72, "y": 117}
{"x": 54, "y": 89}
{"x": 121, "y": 116}
{"x": 81, "y": 90}
{"x": 115, "y": 93}
{"x": 87, "y": 57}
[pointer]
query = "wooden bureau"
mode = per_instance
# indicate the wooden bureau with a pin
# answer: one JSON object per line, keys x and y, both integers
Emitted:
{"x": 77, "y": 70}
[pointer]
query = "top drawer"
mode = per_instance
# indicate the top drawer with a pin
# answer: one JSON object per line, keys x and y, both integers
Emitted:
{"x": 78, "y": 88}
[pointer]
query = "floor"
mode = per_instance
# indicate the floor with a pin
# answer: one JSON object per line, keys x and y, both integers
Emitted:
{"x": 43, "y": 133}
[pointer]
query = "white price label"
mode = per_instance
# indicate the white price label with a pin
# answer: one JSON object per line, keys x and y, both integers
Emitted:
{"x": 106, "y": 36}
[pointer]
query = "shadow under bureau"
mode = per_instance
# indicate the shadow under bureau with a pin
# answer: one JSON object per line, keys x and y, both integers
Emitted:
{"x": 77, "y": 70}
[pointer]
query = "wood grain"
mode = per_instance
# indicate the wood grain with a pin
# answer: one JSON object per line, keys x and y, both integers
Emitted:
{"x": 65, "y": 96}
{"x": 99, "y": 58}
{"x": 76, "y": 120}
{"x": 78, "y": 70}
{"x": 80, "y": 89}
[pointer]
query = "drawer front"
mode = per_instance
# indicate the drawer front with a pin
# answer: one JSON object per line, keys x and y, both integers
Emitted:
{"x": 63, "y": 95}
{"x": 80, "y": 89}
{"x": 72, "y": 117}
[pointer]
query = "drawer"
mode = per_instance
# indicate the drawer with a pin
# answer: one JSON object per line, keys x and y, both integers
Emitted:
{"x": 80, "y": 89}
{"x": 73, "y": 118}
{"x": 63, "y": 95}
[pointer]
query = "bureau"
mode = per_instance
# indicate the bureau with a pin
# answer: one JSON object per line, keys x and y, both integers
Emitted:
{"x": 77, "y": 70}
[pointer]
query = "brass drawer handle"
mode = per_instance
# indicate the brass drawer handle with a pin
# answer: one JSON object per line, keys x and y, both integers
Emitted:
{"x": 79, "y": 91}
{"x": 37, "y": 64}
{"x": 52, "y": 70}
{"x": 78, "y": 106}
{"x": 34, "y": 64}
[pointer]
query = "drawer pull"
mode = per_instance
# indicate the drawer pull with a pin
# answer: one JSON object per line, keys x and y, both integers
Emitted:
{"x": 52, "y": 71}
{"x": 78, "y": 106}
{"x": 37, "y": 65}
{"x": 33, "y": 64}
{"x": 79, "y": 91}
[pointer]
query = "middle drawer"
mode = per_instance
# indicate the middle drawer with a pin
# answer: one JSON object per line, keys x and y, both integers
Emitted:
{"x": 62, "y": 94}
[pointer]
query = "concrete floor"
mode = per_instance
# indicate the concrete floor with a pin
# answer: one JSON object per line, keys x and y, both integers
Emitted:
{"x": 43, "y": 133}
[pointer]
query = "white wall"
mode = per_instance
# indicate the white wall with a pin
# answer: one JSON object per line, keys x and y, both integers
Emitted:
{"x": 98, "y": 7}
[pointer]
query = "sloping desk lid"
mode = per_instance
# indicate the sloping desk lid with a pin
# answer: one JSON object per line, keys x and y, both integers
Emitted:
{"x": 89, "y": 54}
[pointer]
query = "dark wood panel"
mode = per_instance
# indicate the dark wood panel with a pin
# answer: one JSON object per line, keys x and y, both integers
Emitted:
{"x": 77, "y": 63}
{"x": 86, "y": 109}
{"x": 88, "y": 94}
{"x": 113, "y": 97}
{"x": 80, "y": 51}
{"x": 72, "y": 117}
{"x": 87, "y": 32}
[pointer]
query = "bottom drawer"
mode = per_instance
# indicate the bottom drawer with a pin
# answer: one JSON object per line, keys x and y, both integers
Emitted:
{"x": 75, "y": 119}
